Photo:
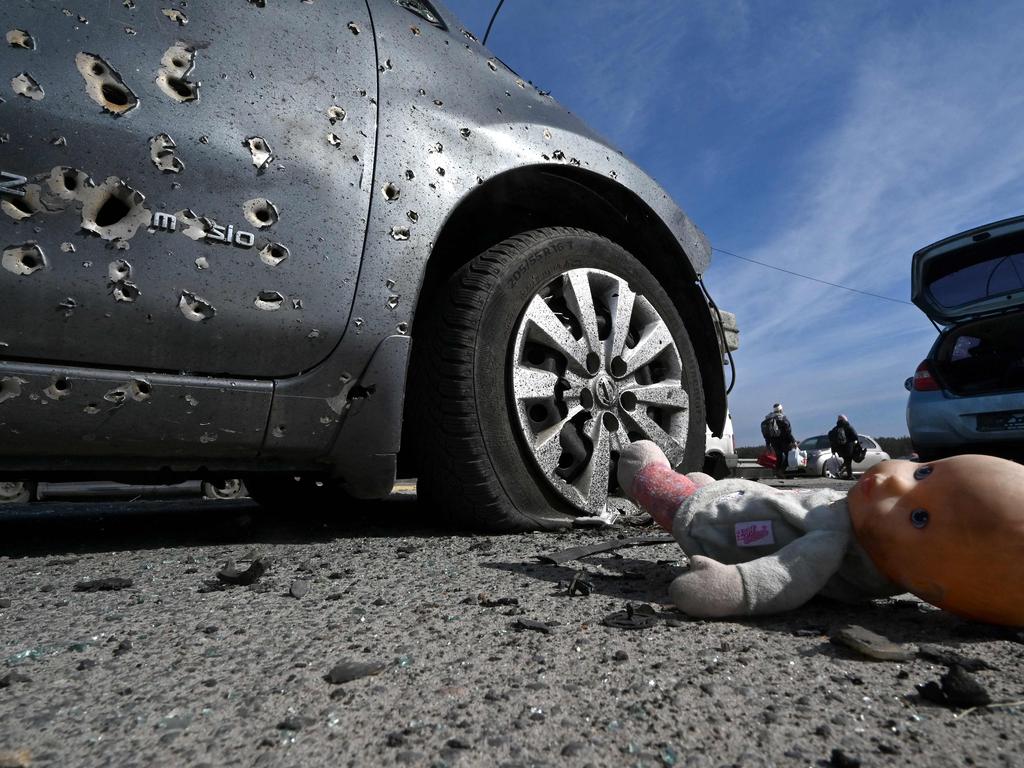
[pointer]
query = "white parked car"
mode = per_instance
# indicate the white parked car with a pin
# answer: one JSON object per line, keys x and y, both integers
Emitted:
{"x": 720, "y": 452}
{"x": 818, "y": 452}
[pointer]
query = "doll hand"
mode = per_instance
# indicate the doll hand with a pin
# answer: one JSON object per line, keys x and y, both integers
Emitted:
{"x": 635, "y": 457}
{"x": 709, "y": 589}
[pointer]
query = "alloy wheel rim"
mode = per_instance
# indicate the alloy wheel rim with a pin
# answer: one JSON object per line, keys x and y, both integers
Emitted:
{"x": 11, "y": 491}
{"x": 594, "y": 367}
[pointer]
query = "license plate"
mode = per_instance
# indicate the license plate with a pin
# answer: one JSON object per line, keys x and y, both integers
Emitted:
{"x": 1004, "y": 421}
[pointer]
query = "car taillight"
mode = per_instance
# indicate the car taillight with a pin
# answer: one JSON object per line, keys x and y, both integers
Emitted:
{"x": 923, "y": 379}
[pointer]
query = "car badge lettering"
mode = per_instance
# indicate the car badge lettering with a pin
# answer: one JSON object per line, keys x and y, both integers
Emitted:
{"x": 168, "y": 222}
{"x": 12, "y": 183}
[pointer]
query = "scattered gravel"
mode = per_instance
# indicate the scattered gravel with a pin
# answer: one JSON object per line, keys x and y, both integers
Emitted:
{"x": 427, "y": 648}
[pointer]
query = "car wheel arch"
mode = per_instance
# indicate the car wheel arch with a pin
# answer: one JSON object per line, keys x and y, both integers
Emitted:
{"x": 567, "y": 196}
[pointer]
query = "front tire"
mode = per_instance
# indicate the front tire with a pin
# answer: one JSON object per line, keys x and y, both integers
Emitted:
{"x": 17, "y": 492}
{"x": 541, "y": 357}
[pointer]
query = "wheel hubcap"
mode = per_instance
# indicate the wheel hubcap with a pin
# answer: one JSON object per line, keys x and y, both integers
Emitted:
{"x": 594, "y": 367}
{"x": 11, "y": 492}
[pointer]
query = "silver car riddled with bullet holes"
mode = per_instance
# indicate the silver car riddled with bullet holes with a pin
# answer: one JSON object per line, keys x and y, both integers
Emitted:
{"x": 316, "y": 245}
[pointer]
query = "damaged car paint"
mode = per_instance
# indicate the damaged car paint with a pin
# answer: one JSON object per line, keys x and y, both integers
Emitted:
{"x": 348, "y": 191}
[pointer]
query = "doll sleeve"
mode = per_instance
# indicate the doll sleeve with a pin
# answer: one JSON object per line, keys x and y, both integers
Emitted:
{"x": 774, "y": 583}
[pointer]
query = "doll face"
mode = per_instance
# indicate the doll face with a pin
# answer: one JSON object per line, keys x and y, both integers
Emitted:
{"x": 909, "y": 496}
{"x": 951, "y": 531}
{"x": 894, "y": 487}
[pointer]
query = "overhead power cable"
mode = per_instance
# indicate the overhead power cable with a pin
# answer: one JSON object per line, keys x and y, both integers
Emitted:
{"x": 814, "y": 279}
{"x": 491, "y": 23}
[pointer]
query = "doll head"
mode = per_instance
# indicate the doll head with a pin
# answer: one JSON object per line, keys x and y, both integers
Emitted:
{"x": 950, "y": 531}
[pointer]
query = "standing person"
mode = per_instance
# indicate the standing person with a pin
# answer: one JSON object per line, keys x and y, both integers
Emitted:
{"x": 777, "y": 435}
{"x": 844, "y": 442}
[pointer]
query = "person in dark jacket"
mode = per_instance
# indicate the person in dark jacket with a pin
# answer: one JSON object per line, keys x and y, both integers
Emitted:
{"x": 778, "y": 435}
{"x": 844, "y": 442}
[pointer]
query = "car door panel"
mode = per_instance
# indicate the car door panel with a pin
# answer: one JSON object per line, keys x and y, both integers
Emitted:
{"x": 115, "y": 413}
{"x": 219, "y": 234}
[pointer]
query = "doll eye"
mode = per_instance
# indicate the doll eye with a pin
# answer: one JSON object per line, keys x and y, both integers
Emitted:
{"x": 919, "y": 518}
{"x": 922, "y": 472}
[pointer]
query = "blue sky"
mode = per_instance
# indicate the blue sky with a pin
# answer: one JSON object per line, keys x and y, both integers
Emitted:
{"x": 832, "y": 139}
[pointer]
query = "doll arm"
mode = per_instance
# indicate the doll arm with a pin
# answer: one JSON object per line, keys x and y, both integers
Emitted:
{"x": 778, "y": 582}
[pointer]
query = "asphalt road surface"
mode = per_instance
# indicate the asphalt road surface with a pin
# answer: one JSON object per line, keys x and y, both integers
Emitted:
{"x": 372, "y": 639}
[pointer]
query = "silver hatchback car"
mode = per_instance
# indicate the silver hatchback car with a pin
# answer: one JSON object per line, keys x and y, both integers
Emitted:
{"x": 318, "y": 246}
{"x": 967, "y": 396}
{"x": 818, "y": 452}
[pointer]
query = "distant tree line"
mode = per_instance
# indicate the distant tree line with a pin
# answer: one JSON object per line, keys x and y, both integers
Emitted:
{"x": 894, "y": 446}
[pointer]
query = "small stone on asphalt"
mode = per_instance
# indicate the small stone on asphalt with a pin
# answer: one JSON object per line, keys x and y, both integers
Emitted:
{"x": 109, "y": 584}
{"x": 14, "y": 677}
{"x": 872, "y": 645}
{"x": 531, "y": 624}
{"x": 956, "y": 689}
{"x": 299, "y": 588}
{"x": 348, "y": 670}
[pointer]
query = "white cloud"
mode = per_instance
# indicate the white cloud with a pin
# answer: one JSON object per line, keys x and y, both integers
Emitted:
{"x": 927, "y": 144}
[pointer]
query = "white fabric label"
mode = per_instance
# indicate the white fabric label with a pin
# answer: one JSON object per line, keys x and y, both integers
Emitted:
{"x": 756, "y": 533}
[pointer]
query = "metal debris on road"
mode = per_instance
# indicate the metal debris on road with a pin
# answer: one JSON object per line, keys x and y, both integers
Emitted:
{"x": 641, "y": 617}
{"x": 575, "y": 553}
{"x": 580, "y": 585}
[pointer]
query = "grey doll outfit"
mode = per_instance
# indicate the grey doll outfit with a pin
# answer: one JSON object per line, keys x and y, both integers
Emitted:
{"x": 787, "y": 545}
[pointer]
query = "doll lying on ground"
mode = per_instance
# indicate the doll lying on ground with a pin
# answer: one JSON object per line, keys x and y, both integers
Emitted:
{"x": 949, "y": 531}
